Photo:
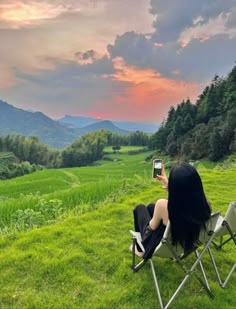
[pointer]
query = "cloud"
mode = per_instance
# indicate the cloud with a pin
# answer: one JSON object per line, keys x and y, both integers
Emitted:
{"x": 70, "y": 86}
{"x": 87, "y": 57}
{"x": 106, "y": 87}
{"x": 116, "y": 57}
{"x": 204, "y": 31}
{"x": 199, "y": 60}
{"x": 231, "y": 22}
{"x": 70, "y": 73}
{"x": 147, "y": 94}
{"x": 7, "y": 77}
{"x": 58, "y": 28}
{"x": 135, "y": 48}
{"x": 88, "y": 54}
{"x": 18, "y": 13}
{"x": 175, "y": 16}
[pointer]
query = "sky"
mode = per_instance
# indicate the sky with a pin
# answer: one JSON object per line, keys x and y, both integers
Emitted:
{"x": 111, "y": 59}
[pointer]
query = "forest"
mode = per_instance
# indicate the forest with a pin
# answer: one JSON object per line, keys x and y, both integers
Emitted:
{"x": 21, "y": 155}
{"x": 206, "y": 129}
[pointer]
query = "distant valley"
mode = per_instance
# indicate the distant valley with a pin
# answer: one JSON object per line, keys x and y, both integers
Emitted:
{"x": 60, "y": 133}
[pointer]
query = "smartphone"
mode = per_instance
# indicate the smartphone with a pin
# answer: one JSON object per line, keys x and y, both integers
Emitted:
{"x": 157, "y": 168}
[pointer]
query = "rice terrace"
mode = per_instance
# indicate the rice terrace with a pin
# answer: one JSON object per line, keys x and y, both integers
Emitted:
{"x": 65, "y": 237}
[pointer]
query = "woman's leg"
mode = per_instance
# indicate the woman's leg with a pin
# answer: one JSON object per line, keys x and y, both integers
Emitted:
{"x": 151, "y": 208}
{"x": 141, "y": 218}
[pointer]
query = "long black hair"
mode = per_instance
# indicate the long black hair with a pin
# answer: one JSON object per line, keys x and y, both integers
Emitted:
{"x": 188, "y": 207}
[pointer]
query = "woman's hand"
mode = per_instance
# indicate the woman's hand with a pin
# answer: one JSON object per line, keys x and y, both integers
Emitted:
{"x": 163, "y": 178}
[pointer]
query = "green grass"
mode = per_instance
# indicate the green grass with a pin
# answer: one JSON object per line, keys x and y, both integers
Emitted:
{"x": 74, "y": 186}
{"x": 124, "y": 149}
{"x": 82, "y": 261}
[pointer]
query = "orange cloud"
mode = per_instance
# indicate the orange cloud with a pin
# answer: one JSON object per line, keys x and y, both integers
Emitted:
{"x": 147, "y": 97}
{"x": 18, "y": 13}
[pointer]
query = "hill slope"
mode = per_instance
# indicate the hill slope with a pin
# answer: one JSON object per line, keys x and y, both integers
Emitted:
{"x": 83, "y": 261}
{"x": 15, "y": 120}
{"x": 102, "y": 125}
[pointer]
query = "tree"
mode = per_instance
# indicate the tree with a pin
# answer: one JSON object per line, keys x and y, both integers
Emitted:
{"x": 86, "y": 150}
{"x": 172, "y": 149}
{"x": 187, "y": 123}
{"x": 116, "y": 148}
{"x": 186, "y": 148}
{"x": 216, "y": 146}
{"x": 228, "y": 129}
{"x": 178, "y": 127}
{"x": 158, "y": 140}
{"x": 1, "y": 144}
{"x": 233, "y": 143}
{"x": 229, "y": 100}
{"x": 200, "y": 144}
{"x": 192, "y": 130}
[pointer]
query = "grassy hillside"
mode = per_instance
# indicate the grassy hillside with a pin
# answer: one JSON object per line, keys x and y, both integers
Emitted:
{"x": 75, "y": 187}
{"x": 83, "y": 261}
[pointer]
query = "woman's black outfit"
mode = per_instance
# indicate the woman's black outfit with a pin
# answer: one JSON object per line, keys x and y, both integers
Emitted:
{"x": 150, "y": 239}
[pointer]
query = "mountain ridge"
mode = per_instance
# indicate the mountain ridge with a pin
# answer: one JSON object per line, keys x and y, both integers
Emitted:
{"x": 54, "y": 133}
{"x": 109, "y": 125}
{"x": 131, "y": 126}
{"x": 19, "y": 121}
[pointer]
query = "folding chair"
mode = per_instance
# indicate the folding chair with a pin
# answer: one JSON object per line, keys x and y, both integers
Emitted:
{"x": 225, "y": 226}
{"x": 166, "y": 250}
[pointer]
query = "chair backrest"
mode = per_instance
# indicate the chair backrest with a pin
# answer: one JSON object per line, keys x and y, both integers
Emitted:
{"x": 163, "y": 249}
{"x": 210, "y": 227}
{"x": 230, "y": 218}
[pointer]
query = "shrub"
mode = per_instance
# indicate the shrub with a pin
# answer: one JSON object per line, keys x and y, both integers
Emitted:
{"x": 45, "y": 212}
{"x": 27, "y": 219}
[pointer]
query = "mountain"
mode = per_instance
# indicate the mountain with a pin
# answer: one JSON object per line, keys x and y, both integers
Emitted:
{"x": 77, "y": 121}
{"x": 147, "y": 127}
{"x": 105, "y": 125}
{"x": 62, "y": 132}
{"x": 19, "y": 121}
{"x": 81, "y": 122}
{"x": 53, "y": 133}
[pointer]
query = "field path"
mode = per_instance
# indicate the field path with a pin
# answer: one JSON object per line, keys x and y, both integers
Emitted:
{"x": 75, "y": 182}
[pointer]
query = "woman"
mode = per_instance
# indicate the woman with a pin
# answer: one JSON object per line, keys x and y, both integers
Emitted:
{"x": 186, "y": 207}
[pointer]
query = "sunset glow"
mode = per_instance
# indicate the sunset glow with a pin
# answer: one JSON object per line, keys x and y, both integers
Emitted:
{"x": 20, "y": 13}
{"x": 148, "y": 91}
{"x": 112, "y": 59}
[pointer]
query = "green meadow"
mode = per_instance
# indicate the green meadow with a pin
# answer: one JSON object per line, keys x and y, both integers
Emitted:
{"x": 124, "y": 149}
{"x": 65, "y": 238}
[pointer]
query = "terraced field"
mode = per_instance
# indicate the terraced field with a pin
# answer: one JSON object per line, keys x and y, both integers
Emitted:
{"x": 80, "y": 258}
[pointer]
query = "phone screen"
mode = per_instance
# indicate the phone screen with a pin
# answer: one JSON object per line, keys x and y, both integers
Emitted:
{"x": 157, "y": 168}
